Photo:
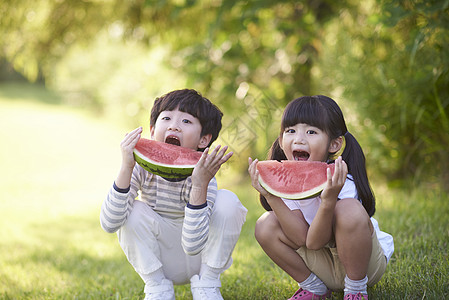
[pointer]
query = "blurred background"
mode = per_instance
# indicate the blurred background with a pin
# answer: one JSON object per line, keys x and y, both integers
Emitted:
{"x": 75, "y": 76}
{"x": 385, "y": 62}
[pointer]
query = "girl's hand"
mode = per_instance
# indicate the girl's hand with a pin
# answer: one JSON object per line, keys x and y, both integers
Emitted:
{"x": 208, "y": 165}
{"x": 334, "y": 182}
{"x": 127, "y": 146}
{"x": 254, "y": 174}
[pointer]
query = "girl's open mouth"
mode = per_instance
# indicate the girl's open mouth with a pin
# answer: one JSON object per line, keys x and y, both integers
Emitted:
{"x": 300, "y": 155}
{"x": 174, "y": 140}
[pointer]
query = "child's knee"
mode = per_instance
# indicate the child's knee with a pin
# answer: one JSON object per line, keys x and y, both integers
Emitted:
{"x": 139, "y": 221}
{"x": 350, "y": 214}
{"x": 266, "y": 225}
{"x": 134, "y": 218}
{"x": 228, "y": 206}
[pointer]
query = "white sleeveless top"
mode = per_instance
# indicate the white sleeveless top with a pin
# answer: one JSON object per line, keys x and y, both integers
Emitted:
{"x": 309, "y": 208}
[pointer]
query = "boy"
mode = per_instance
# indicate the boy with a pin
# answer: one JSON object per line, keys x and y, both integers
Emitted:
{"x": 179, "y": 230}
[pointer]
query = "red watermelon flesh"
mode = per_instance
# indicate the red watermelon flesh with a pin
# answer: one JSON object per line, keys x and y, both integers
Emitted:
{"x": 164, "y": 159}
{"x": 293, "y": 179}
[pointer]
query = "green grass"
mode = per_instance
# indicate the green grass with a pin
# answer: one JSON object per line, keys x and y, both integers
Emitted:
{"x": 57, "y": 164}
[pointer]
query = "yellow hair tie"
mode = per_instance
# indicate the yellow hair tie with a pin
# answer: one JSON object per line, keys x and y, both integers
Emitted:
{"x": 335, "y": 155}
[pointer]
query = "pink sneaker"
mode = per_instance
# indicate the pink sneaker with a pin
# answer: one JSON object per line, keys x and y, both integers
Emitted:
{"x": 306, "y": 295}
{"x": 358, "y": 296}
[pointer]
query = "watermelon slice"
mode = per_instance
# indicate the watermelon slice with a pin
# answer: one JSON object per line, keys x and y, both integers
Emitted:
{"x": 166, "y": 160}
{"x": 293, "y": 179}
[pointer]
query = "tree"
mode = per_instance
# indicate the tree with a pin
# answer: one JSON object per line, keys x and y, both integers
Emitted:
{"x": 393, "y": 67}
{"x": 235, "y": 52}
{"x": 385, "y": 59}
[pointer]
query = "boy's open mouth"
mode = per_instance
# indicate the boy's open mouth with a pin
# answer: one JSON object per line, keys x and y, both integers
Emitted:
{"x": 174, "y": 140}
{"x": 300, "y": 155}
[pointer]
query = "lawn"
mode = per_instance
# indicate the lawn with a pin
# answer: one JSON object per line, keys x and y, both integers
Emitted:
{"x": 57, "y": 164}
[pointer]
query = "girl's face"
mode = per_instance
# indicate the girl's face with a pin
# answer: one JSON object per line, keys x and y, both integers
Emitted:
{"x": 306, "y": 142}
{"x": 179, "y": 128}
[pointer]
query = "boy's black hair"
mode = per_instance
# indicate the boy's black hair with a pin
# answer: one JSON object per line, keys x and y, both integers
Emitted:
{"x": 324, "y": 113}
{"x": 191, "y": 102}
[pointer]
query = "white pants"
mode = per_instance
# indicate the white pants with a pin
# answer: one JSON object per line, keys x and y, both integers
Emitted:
{"x": 151, "y": 242}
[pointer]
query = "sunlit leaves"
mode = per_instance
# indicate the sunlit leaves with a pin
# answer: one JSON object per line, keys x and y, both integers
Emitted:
{"x": 395, "y": 73}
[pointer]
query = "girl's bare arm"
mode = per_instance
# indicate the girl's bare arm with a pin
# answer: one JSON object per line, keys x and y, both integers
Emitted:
{"x": 292, "y": 222}
{"x": 321, "y": 229}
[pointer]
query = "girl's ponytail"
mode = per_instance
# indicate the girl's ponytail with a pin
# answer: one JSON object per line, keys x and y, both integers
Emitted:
{"x": 275, "y": 153}
{"x": 355, "y": 160}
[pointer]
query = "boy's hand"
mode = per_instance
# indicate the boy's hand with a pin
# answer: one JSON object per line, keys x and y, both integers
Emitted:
{"x": 208, "y": 166}
{"x": 334, "y": 182}
{"x": 254, "y": 174}
{"x": 127, "y": 147}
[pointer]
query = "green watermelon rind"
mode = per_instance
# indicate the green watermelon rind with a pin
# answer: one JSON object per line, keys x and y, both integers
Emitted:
{"x": 164, "y": 170}
{"x": 298, "y": 196}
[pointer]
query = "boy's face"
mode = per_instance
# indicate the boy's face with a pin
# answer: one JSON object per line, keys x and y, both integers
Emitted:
{"x": 179, "y": 128}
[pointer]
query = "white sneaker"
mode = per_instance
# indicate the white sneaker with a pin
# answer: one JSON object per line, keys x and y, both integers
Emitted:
{"x": 205, "y": 289}
{"x": 163, "y": 291}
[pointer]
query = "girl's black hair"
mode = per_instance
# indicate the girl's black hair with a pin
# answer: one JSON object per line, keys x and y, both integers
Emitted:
{"x": 191, "y": 102}
{"x": 324, "y": 113}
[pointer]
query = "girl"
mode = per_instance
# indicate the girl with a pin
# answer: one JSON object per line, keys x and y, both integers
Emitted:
{"x": 330, "y": 242}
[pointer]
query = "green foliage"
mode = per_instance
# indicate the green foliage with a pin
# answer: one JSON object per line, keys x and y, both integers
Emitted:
{"x": 116, "y": 79}
{"x": 91, "y": 50}
{"x": 35, "y": 34}
{"x": 386, "y": 62}
{"x": 395, "y": 75}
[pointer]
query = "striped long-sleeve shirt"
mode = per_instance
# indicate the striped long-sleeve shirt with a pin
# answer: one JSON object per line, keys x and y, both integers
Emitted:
{"x": 169, "y": 198}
